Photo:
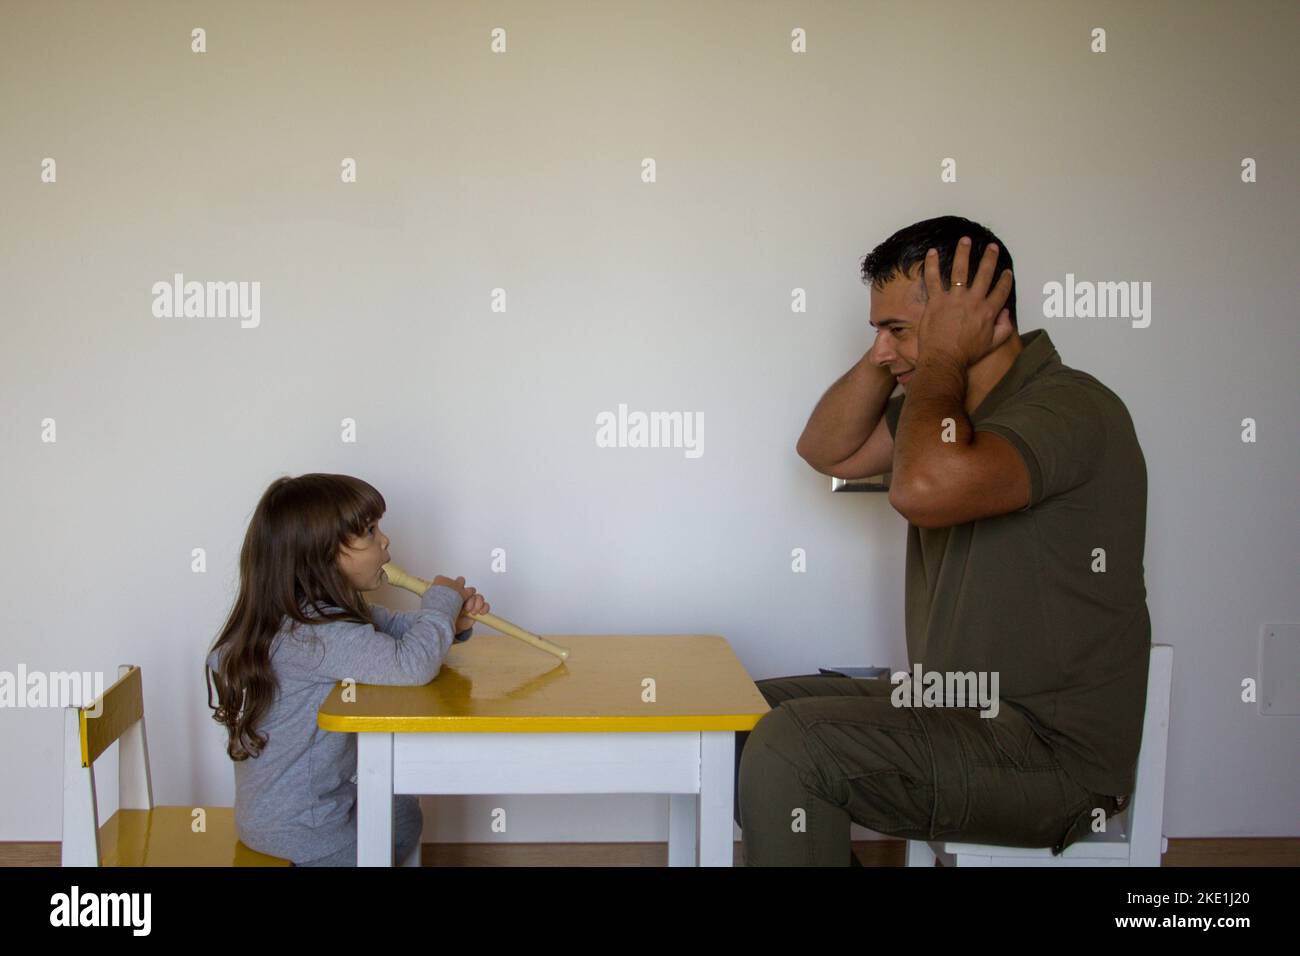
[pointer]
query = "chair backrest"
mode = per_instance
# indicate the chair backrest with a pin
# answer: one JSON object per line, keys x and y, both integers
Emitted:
{"x": 120, "y": 706}
{"x": 116, "y": 715}
{"x": 1146, "y": 811}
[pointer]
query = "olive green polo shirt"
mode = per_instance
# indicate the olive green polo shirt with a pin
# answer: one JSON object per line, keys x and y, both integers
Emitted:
{"x": 1023, "y": 594}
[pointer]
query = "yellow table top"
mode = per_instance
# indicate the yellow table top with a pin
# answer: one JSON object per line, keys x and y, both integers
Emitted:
{"x": 493, "y": 683}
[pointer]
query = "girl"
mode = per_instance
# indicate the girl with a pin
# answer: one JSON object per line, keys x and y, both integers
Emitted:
{"x": 299, "y": 625}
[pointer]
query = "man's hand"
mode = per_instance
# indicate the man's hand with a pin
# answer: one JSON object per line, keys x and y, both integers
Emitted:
{"x": 965, "y": 323}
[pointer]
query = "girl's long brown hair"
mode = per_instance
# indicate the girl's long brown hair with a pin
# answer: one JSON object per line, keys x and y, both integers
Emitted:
{"x": 288, "y": 564}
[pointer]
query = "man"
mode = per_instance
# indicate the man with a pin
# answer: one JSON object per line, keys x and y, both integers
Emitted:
{"x": 1024, "y": 488}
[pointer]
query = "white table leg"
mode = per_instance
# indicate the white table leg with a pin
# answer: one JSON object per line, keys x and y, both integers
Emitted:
{"x": 683, "y": 808}
{"x": 695, "y": 769}
{"x": 717, "y": 795}
{"x": 374, "y": 799}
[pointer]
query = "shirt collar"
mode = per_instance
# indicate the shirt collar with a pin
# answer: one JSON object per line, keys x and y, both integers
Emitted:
{"x": 1038, "y": 353}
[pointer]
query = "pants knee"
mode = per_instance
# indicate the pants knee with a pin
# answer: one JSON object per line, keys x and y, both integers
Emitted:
{"x": 771, "y": 755}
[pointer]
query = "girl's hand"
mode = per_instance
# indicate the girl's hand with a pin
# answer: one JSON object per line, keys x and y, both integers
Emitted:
{"x": 476, "y": 604}
{"x": 457, "y": 585}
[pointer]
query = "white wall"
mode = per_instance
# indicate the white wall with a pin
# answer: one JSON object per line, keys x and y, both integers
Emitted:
{"x": 776, "y": 170}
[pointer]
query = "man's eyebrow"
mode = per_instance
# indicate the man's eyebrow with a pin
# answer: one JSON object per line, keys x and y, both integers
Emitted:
{"x": 886, "y": 322}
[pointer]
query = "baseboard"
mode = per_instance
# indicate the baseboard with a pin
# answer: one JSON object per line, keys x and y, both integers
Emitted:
{"x": 1211, "y": 851}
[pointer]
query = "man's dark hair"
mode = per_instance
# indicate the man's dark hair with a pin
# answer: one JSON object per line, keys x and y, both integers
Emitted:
{"x": 898, "y": 254}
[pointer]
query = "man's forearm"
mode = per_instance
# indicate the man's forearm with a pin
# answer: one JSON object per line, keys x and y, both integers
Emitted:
{"x": 936, "y": 391}
{"x": 846, "y": 415}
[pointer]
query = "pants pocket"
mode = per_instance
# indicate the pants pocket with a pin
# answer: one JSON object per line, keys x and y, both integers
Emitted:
{"x": 1016, "y": 743}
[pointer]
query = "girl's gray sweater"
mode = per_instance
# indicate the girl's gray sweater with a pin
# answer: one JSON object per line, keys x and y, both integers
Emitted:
{"x": 296, "y": 800}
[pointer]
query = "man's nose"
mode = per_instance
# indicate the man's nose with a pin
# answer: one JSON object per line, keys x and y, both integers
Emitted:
{"x": 881, "y": 354}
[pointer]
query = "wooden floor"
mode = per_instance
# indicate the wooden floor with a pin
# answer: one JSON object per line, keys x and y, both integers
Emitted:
{"x": 1262, "y": 851}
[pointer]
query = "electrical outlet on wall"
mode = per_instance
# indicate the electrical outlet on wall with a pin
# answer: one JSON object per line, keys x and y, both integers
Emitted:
{"x": 1279, "y": 670}
{"x": 872, "y": 483}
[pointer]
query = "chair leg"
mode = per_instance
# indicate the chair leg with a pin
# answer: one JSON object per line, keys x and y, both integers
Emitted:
{"x": 919, "y": 853}
{"x": 80, "y": 840}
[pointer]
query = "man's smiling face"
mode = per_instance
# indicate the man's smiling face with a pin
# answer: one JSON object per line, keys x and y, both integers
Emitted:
{"x": 896, "y": 310}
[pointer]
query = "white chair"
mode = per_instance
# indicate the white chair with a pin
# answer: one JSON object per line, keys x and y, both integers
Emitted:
{"x": 1133, "y": 837}
{"x": 139, "y": 833}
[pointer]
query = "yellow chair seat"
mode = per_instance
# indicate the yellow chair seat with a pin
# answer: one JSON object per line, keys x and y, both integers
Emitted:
{"x": 163, "y": 837}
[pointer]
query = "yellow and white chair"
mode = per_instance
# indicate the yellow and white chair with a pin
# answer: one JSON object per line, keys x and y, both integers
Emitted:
{"x": 1133, "y": 837}
{"x": 139, "y": 833}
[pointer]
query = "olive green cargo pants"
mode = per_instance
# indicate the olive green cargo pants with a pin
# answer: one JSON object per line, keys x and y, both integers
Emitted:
{"x": 836, "y": 749}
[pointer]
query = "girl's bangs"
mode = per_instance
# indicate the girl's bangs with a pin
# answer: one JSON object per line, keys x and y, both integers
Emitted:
{"x": 360, "y": 507}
